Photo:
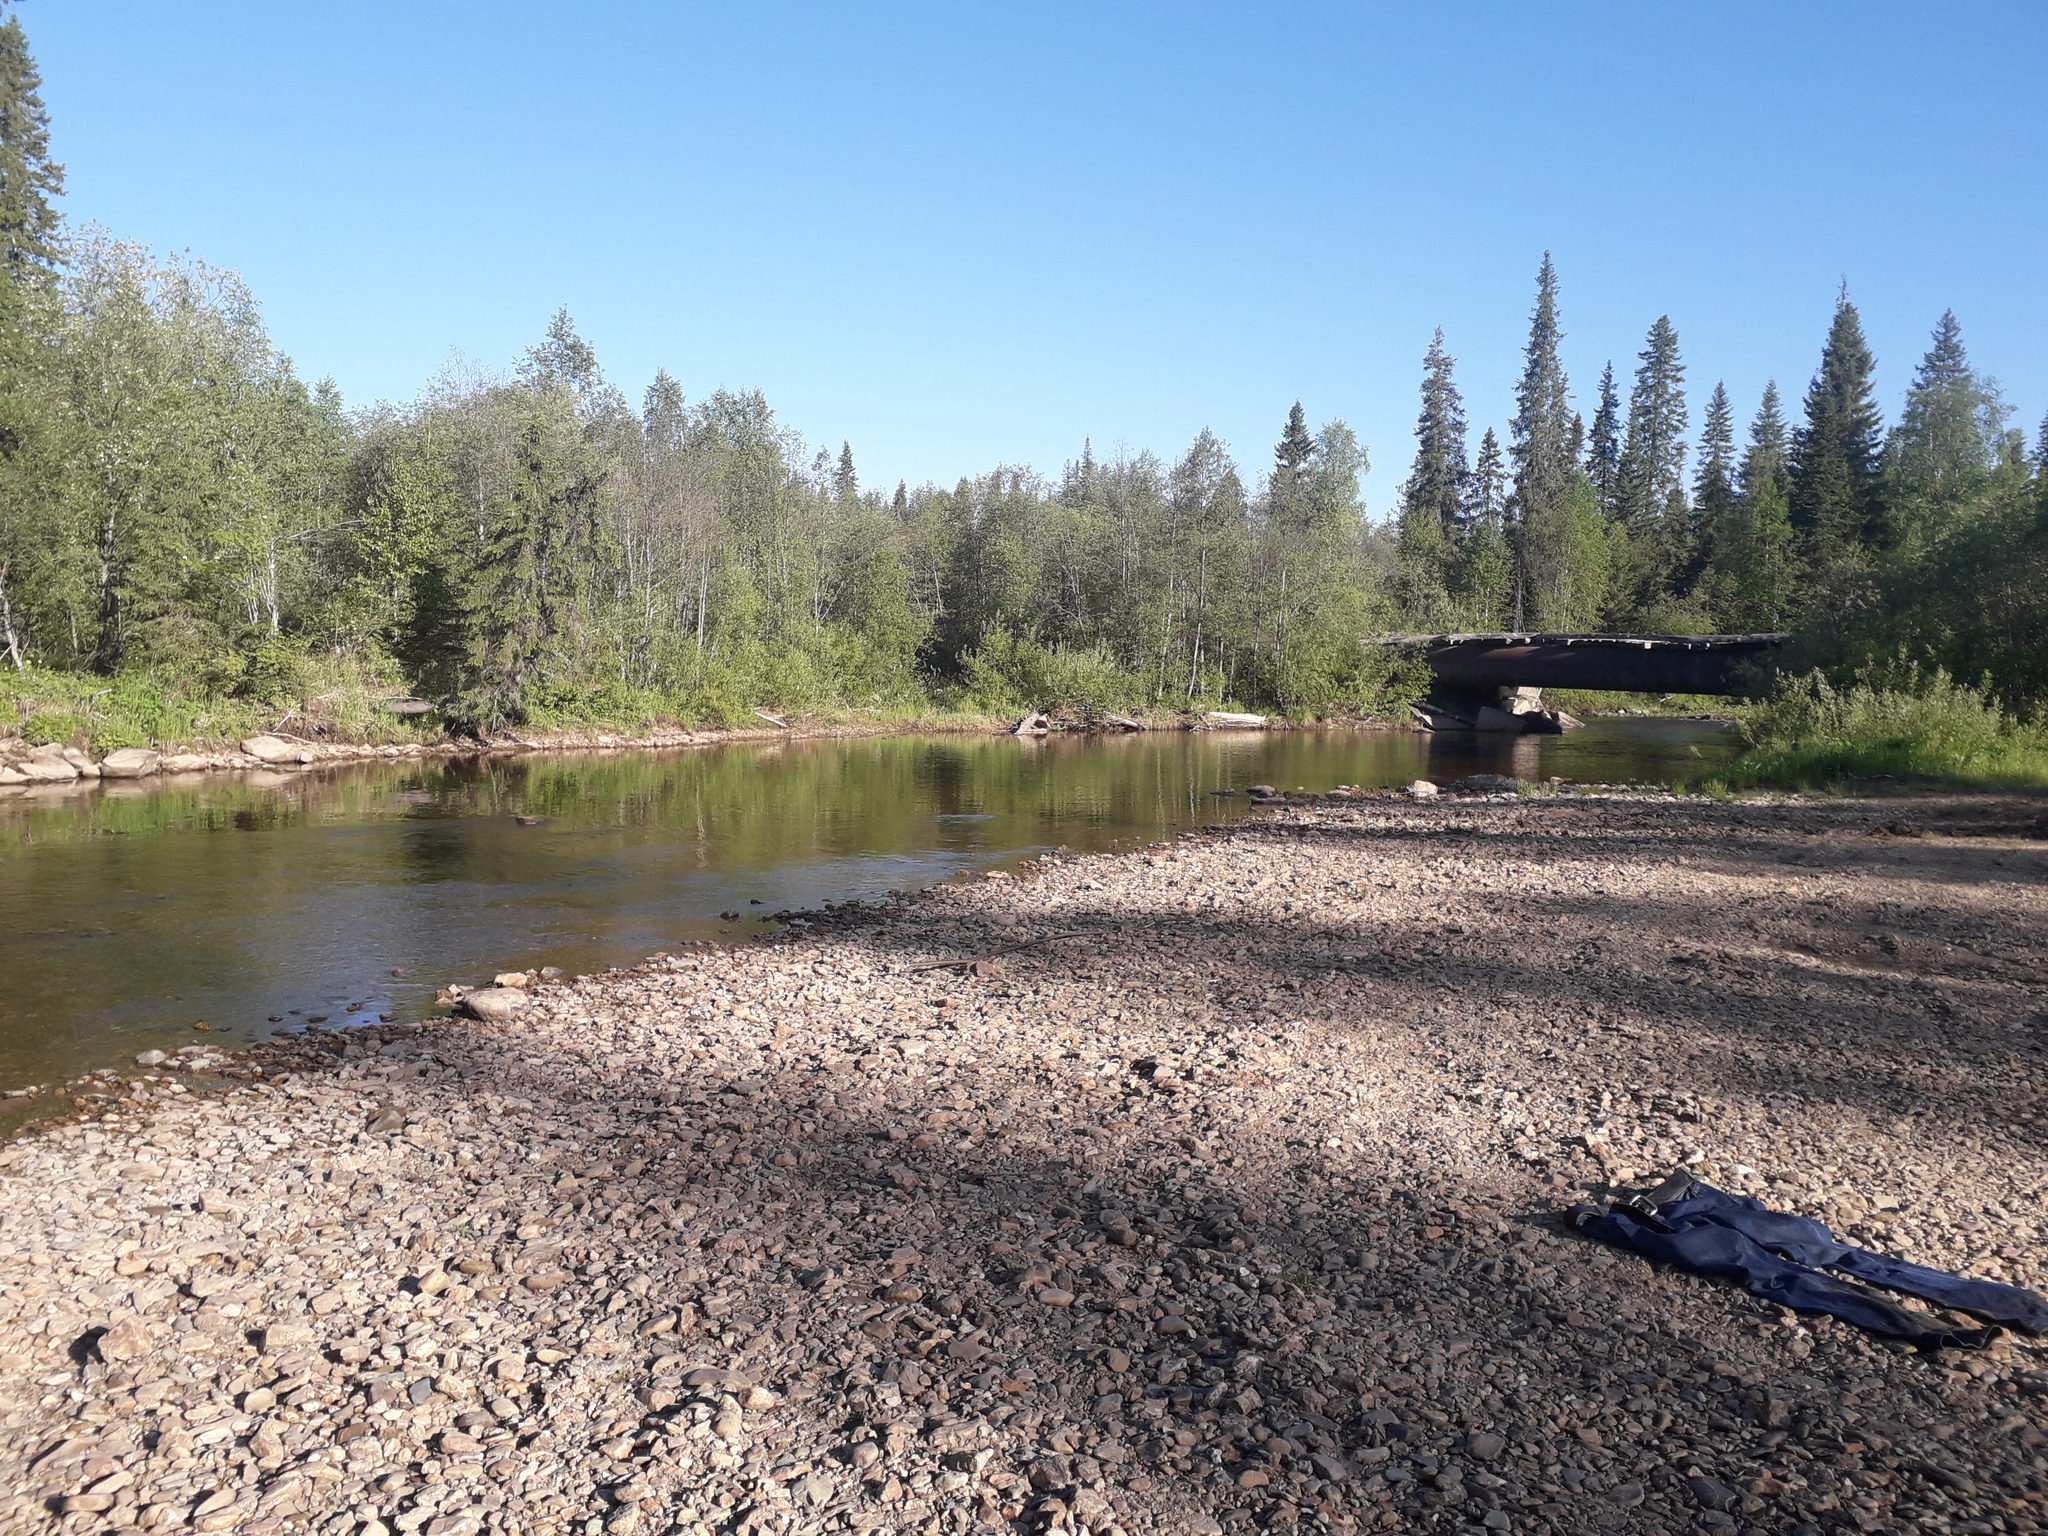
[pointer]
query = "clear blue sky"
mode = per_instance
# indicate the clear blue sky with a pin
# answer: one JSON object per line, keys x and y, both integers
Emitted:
{"x": 969, "y": 234}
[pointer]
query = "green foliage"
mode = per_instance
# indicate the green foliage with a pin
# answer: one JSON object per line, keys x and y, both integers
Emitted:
{"x": 194, "y": 544}
{"x": 1900, "y": 722}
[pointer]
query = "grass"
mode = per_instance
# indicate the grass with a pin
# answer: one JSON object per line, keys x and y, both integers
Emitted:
{"x": 344, "y": 702}
{"x": 1596, "y": 701}
{"x": 1920, "y": 730}
{"x": 143, "y": 709}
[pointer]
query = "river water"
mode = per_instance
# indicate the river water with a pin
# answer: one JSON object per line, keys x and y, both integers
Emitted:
{"x": 256, "y": 902}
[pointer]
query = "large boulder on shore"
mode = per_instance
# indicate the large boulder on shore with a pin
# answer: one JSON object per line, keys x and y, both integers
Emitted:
{"x": 271, "y": 749}
{"x": 47, "y": 765}
{"x": 494, "y": 1005}
{"x": 130, "y": 763}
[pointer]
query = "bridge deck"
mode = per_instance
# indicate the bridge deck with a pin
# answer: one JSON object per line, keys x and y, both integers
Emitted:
{"x": 1716, "y": 664}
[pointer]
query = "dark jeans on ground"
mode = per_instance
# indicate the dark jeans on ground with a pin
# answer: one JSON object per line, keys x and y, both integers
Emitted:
{"x": 1779, "y": 1258}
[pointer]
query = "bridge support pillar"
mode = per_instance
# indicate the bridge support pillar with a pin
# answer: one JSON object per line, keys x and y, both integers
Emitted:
{"x": 1515, "y": 711}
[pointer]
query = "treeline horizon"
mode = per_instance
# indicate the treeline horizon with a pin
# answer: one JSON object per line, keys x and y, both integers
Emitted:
{"x": 180, "y": 512}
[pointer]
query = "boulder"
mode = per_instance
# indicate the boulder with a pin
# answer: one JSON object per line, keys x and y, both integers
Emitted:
{"x": 87, "y": 768}
{"x": 272, "y": 749}
{"x": 130, "y": 763}
{"x": 1422, "y": 789}
{"x": 494, "y": 1005}
{"x": 47, "y": 765}
{"x": 1491, "y": 719}
{"x": 185, "y": 762}
{"x": 1490, "y": 783}
{"x": 9, "y": 774}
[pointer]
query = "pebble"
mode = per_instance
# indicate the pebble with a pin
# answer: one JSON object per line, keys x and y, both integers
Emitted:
{"x": 1244, "y": 1207}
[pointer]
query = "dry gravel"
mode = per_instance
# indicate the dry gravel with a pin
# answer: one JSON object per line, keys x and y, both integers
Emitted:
{"x": 1241, "y": 1210}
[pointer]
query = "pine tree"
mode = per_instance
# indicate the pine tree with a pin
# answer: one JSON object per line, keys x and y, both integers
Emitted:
{"x": 845, "y": 482}
{"x": 1544, "y": 462}
{"x": 1603, "y": 451}
{"x": 29, "y": 227}
{"x": 1834, "y": 487}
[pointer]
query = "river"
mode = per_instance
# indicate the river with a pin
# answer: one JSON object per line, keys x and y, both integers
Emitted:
{"x": 131, "y": 913}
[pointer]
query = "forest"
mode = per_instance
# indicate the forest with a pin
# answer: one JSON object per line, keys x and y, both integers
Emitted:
{"x": 186, "y": 522}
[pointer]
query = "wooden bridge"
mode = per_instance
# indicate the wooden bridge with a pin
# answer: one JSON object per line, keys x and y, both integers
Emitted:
{"x": 1496, "y": 681}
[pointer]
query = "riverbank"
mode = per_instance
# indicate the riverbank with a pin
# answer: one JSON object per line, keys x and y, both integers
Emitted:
{"x": 1224, "y": 1193}
{"x": 23, "y": 766}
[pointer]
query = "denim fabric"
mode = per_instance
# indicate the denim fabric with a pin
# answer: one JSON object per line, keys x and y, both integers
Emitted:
{"x": 1779, "y": 1258}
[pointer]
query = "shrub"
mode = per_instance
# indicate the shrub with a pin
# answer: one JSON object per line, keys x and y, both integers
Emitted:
{"x": 1901, "y": 723}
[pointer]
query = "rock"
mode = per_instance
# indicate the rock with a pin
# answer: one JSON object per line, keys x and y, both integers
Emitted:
{"x": 290, "y": 1334}
{"x": 269, "y": 749}
{"x": 510, "y": 979}
{"x": 1627, "y": 1495}
{"x": 151, "y": 1059}
{"x": 130, "y": 763}
{"x": 1491, "y": 719}
{"x": 494, "y": 1005}
{"x": 9, "y": 774}
{"x": 1485, "y": 1447}
{"x": 1490, "y": 783}
{"x": 47, "y": 765}
{"x": 1422, "y": 789}
{"x": 185, "y": 762}
{"x": 126, "y": 1340}
{"x": 1711, "y": 1493}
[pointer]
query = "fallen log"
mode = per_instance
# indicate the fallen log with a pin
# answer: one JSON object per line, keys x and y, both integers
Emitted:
{"x": 1235, "y": 721}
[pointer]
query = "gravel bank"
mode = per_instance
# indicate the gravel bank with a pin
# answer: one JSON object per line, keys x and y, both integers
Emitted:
{"x": 1239, "y": 1210}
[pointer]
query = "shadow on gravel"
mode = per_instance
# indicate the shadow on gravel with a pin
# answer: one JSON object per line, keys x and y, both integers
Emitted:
{"x": 1077, "y": 1268}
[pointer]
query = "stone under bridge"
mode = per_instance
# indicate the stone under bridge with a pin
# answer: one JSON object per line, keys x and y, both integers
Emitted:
{"x": 1496, "y": 682}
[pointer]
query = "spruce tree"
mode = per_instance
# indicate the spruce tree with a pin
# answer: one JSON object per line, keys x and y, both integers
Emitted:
{"x": 1295, "y": 448}
{"x": 29, "y": 178}
{"x": 1603, "y": 446}
{"x": 1943, "y": 452}
{"x": 1436, "y": 488}
{"x": 1834, "y": 487}
{"x": 845, "y": 482}
{"x": 1755, "y": 572}
{"x": 1433, "y": 498}
{"x": 1713, "y": 486}
{"x": 1652, "y": 495}
{"x": 1542, "y": 451}
{"x": 1484, "y": 581}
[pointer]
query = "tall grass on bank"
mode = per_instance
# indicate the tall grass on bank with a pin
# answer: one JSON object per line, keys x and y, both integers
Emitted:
{"x": 1909, "y": 725}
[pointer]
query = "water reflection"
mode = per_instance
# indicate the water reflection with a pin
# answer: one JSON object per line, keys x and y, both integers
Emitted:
{"x": 130, "y": 911}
